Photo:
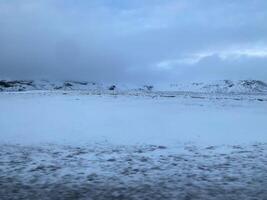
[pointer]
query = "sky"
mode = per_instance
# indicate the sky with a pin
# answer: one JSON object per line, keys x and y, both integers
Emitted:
{"x": 133, "y": 40}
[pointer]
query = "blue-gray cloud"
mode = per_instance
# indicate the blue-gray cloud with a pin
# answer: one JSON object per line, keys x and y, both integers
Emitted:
{"x": 136, "y": 41}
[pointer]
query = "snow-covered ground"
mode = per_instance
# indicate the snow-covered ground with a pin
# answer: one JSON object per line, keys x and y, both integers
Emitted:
{"x": 133, "y": 145}
{"x": 76, "y": 117}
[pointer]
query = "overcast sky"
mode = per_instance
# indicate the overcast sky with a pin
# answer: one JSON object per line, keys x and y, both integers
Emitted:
{"x": 133, "y": 40}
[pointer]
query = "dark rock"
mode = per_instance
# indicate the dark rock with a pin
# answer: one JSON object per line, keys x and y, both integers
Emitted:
{"x": 149, "y": 87}
{"x": 162, "y": 147}
{"x": 111, "y": 160}
{"x": 80, "y": 83}
{"x": 67, "y": 84}
{"x": 113, "y": 87}
{"x": 5, "y": 84}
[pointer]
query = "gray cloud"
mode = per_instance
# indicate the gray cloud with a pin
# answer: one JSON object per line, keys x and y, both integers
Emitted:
{"x": 130, "y": 41}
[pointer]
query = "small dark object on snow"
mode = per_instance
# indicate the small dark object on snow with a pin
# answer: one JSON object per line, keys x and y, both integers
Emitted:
{"x": 67, "y": 84}
{"x": 80, "y": 83}
{"x": 58, "y": 88}
{"x": 111, "y": 160}
{"x": 113, "y": 87}
{"x": 162, "y": 147}
{"x": 148, "y": 87}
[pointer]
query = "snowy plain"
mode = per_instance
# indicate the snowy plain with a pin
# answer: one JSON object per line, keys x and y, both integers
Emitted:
{"x": 79, "y": 145}
{"x": 75, "y": 117}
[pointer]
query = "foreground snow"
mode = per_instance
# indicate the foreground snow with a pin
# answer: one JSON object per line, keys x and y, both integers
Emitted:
{"x": 106, "y": 171}
{"x": 165, "y": 145}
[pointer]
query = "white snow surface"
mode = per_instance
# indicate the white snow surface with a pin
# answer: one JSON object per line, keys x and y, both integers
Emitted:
{"x": 132, "y": 145}
{"x": 164, "y": 119}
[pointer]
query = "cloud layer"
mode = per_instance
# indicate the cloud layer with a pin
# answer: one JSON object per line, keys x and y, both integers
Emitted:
{"x": 133, "y": 41}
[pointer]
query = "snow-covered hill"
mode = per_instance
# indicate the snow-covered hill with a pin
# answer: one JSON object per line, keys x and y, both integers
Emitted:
{"x": 21, "y": 85}
{"x": 224, "y": 86}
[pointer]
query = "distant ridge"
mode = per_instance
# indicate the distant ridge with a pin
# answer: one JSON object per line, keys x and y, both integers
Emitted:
{"x": 223, "y": 86}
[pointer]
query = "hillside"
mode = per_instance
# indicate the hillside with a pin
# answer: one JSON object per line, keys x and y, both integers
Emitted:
{"x": 224, "y": 86}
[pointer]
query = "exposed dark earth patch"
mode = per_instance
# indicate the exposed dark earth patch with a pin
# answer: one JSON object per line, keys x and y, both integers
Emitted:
{"x": 133, "y": 172}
